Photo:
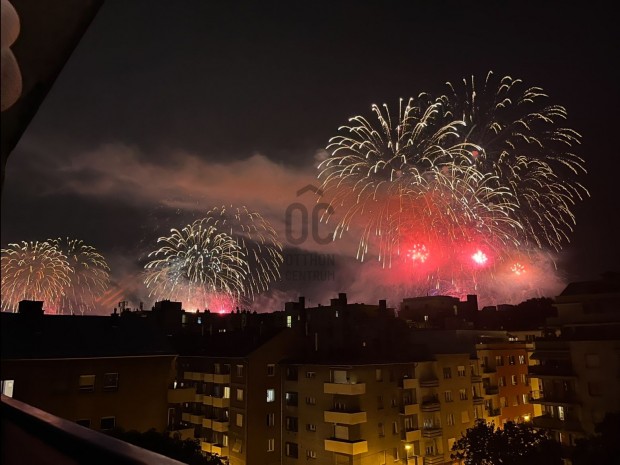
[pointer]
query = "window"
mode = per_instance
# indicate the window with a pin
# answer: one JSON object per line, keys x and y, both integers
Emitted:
{"x": 463, "y": 394}
{"x": 515, "y": 401}
{"x": 524, "y": 379}
{"x": 502, "y": 402}
{"x": 379, "y": 402}
{"x": 395, "y": 427}
{"x": 524, "y": 399}
{"x": 513, "y": 380}
{"x": 501, "y": 381}
{"x": 107, "y": 423}
{"x": 396, "y": 452}
{"x": 310, "y": 427}
{"x": 84, "y": 422}
{"x": 511, "y": 360}
{"x": 291, "y": 424}
{"x": 240, "y": 394}
{"x": 447, "y": 395}
{"x": 521, "y": 359}
{"x": 226, "y": 392}
{"x": 291, "y": 449}
{"x": 271, "y": 419}
{"x": 450, "y": 419}
{"x": 7, "y": 387}
{"x": 499, "y": 361}
{"x": 464, "y": 416}
{"x": 217, "y": 369}
{"x": 289, "y": 321}
{"x": 461, "y": 371}
{"x": 238, "y": 445}
{"x": 87, "y": 383}
{"x": 271, "y": 369}
{"x": 394, "y": 402}
{"x": 310, "y": 374}
{"x": 291, "y": 399}
{"x": 271, "y": 395}
{"x": 381, "y": 430}
{"x": 592, "y": 361}
{"x": 239, "y": 371}
{"x": 271, "y": 445}
{"x": 561, "y": 413}
{"x": 310, "y": 454}
{"x": 447, "y": 373}
{"x": 291, "y": 373}
{"x": 239, "y": 420}
{"x": 110, "y": 382}
{"x": 379, "y": 374}
{"x": 310, "y": 400}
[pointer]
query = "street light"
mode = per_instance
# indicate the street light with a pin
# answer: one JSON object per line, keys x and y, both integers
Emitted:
{"x": 407, "y": 449}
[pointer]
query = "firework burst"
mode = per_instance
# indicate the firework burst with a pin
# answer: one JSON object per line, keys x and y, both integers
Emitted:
{"x": 464, "y": 181}
{"x": 89, "y": 277}
{"x": 33, "y": 271}
{"x": 197, "y": 265}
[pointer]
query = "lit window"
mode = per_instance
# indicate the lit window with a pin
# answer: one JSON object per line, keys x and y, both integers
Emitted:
{"x": 226, "y": 392}
{"x": 239, "y": 394}
{"x": 561, "y": 413}
{"x": 239, "y": 419}
{"x": 87, "y": 383}
{"x": 521, "y": 359}
{"x": 461, "y": 370}
{"x": 7, "y": 387}
{"x": 289, "y": 321}
{"x": 271, "y": 395}
{"x": 513, "y": 380}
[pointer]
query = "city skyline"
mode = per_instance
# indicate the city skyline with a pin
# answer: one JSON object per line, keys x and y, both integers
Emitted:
{"x": 153, "y": 123}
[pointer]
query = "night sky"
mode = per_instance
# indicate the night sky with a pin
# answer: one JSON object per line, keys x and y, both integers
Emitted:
{"x": 169, "y": 108}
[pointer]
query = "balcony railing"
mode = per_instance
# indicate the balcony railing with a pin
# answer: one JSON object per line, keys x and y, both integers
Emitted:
{"x": 478, "y": 400}
{"x": 30, "y": 435}
{"x": 494, "y": 412}
{"x": 345, "y": 418}
{"x": 410, "y": 409}
{"x": 548, "y": 422}
{"x": 409, "y": 383}
{"x": 551, "y": 398}
{"x": 431, "y": 432}
{"x": 344, "y": 389}
{"x": 343, "y": 446}
{"x": 412, "y": 435}
{"x": 181, "y": 395}
{"x": 433, "y": 459}
{"x": 551, "y": 371}
{"x": 491, "y": 390}
{"x": 221, "y": 402}
{"x": 221, "y": 426}
{"x": 430, "y": 406}
{"x": 429, "y": 382}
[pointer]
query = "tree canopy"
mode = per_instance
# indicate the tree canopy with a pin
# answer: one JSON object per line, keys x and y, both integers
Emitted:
{"x": 515, "y": 444}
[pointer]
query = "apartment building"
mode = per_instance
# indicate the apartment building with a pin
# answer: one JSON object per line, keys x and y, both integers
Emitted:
{"x": 579, "y": 360}
{"x": 98, "y": 371}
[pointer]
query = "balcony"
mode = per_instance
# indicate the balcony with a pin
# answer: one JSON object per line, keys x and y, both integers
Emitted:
{"x": 478, "y": 400}
{"x": 409, "y": 383}
{"x": 563, "y": 398}
{"x": 410, "y": 409}
{"x": 476, "y": 378}
{"x": 489, "y": 370}
{"x": 181, "y": 395}
{"x": 207, "y": 423}
{"x": 221, "y": 379}
{"x": 342, "y": 446}
{"x": 221, "y": 402}
{"x": 493, "y": 412}
{"x": 548, "y": 422}
{"x": 344, "y": 389}
{"x": 30, "y": 435}
{"x": 430, "y": 406}
{"x": 182, "y": 433}
{"x": 433, "y": 460}
{"x": 207, "y": 400}
{"x": 429, "y": 382}
{"x": 550, "y": 371}
{"x": 344, "y": 418}
{"x": 431, "y": 432}
{"x": 205, "y": 446}
{"x": 221, "y": 426}
{"x": 219, "y": 449}
{"x": 198, "y": 398}
{"x": 185, "y": 417}
{"x": 207, "y": 377}
{"x": 491, "y": 390}
{"x": 196, "y": 419}
{"x": 192, "y": 376}
{"x": 412, "y": 435}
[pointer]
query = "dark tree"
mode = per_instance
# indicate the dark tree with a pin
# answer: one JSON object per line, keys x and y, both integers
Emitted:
{"x": 603, "y": 448}
{"x": 186, "y": 451}
{"x": 516, "y": 444}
